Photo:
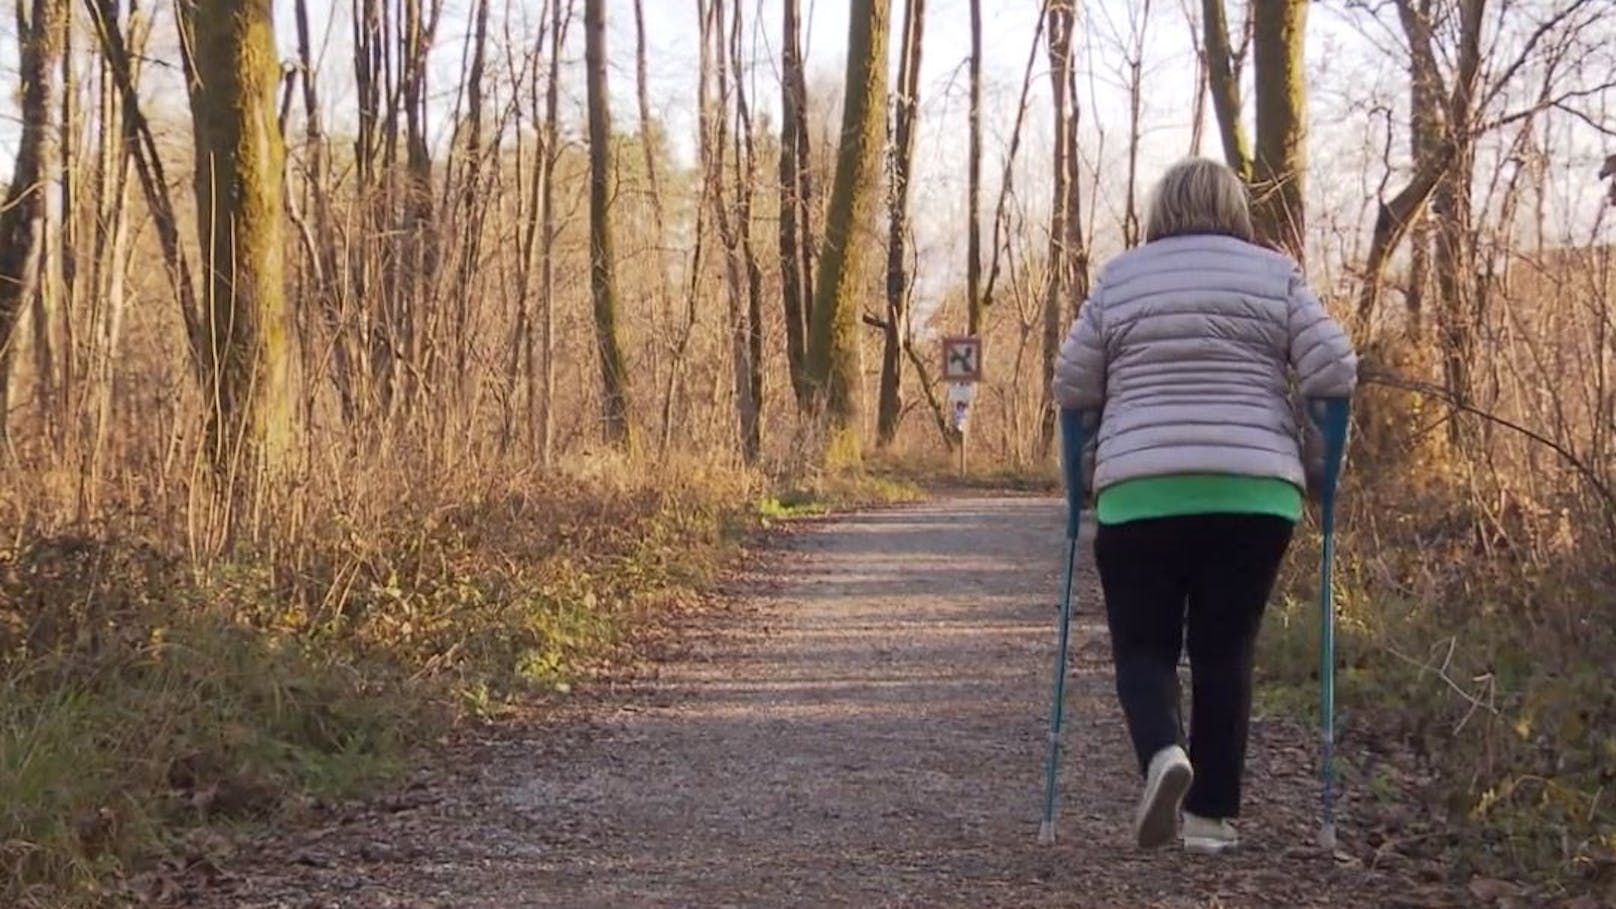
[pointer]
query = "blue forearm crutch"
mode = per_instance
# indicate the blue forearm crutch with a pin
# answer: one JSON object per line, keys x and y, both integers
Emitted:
{"x": 1331, "y": 415}
{"x": 1072, "y": 439}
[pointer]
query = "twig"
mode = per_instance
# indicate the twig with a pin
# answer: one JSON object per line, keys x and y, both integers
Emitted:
{"x": 1441, "y": 673}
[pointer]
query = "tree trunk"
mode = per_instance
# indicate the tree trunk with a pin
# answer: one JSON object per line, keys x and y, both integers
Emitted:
{"x": 529, "y": 351}
{"x": 652, "y": 139}
{"x": 473, "y": 209}
{"x": 796, "y": 238}
{"x": 328, "y": 300}
{"x": 735, "y": 277}
{"x": 551, "y": 154}
{"x": 1281, "y": 162}
{"x": 123, "y": 64}
{"x": 1454, "y": 259}
{"x": 1198, "y": 112}
{"x": 895, "y": 330}
{"x": 647, "y": 146}
{"x": 1062, "y": 22}
{"x": 39, "y": 35}
{"x": 709, "y": 157}
{"x": 109, "y": 270}
{"x": 833, "y": 349}
{"x": 47, "y": 297}
{"x": 1223, "y": 79}
{"x": 233, "y": 71}
{"x": 1395, "y": 218}
{"x": 1428, "y": 125}
{"x": 745, "y": 182}
{"x": 67, "y": 263}
{"x": 369, "y": 287}
{"x": 415, "y": 306}
{"x": 617, "y": 427}
{"x": 1136, "y": 96}
{"x": 973, "y": 186}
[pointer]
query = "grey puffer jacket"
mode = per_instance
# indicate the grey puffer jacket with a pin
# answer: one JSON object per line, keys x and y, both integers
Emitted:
{"x": 1198, "y": 352}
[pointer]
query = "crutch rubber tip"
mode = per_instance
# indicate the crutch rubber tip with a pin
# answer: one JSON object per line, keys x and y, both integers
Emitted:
{"x": 1046, "y": 833}
{"x": 1327, "y": 837}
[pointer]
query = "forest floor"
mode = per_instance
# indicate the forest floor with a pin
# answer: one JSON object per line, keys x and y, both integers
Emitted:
{"x": 860, "y": 721}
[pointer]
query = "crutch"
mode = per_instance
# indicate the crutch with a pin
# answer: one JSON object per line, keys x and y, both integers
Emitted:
{"x": 1072, "y": 439}
{"x": 1331, "y": 415}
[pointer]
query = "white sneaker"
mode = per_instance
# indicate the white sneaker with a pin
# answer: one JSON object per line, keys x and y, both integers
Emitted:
{"x": 1208, "y": 836}
{"x": 1168, "y": 779}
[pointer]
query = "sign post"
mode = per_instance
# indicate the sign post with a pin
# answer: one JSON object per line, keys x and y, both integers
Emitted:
{"x": 962, "y": 369}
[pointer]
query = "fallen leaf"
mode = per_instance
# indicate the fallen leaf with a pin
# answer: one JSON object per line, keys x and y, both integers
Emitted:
{"x": 1487, "y": 888}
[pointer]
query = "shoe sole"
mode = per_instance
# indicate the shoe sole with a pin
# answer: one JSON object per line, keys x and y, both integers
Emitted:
{"x": 1159, "y": 821}
{"x": 1205, "y": 846}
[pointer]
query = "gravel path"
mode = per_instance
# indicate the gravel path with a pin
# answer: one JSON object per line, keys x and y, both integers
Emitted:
{"x": 866, "y": 728}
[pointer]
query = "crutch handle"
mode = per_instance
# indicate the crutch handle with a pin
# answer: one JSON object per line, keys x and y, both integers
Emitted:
{"x": 1074, "y": 435}
{"x": 1332, "y": 416}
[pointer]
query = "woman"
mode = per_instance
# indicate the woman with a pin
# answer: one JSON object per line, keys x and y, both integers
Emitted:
{"x": 1190, "y": 349}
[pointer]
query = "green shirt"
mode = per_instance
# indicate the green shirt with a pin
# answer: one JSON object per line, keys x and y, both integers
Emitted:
{"x": 1187, "y": 494}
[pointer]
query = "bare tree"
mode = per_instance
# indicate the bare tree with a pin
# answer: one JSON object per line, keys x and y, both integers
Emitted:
{"x": 833, "y": 348}
{"x": 1280, "y": 166}
{"x": 895, "y": 327}
{"x": 1276, "y": 171}
{"x": 1223, "y": 64}
{"x": 602, "y": 267}
{"x": 1449, "y": 113}
{"x": 973, "y": 191}
{"x": 1202, "y": 60}
{"x": 536, "y": 349}
{"x": 232, "y": 72}
{"x": 796, "y": 233}
{"x": 109, "y": 255}
{"x": 1454, "y": 258}
{"x": 67, "y": 274}
{"x": 551, "y": 154}
{"x": 651, "y": 144}
{"x": 1064, "y": 232}
{"x": 415, "y": 305}
{"x": 1134, "y": 57}
{"x": 741, "y": 272}
{"x": 471, "y": 208}
{"x": 39, "y": 33}
{"x": 746, "y": 185}
{"x": 1007, "y": 174}
{"x": 321, "y": 235}
{"x": 709, "y": 152}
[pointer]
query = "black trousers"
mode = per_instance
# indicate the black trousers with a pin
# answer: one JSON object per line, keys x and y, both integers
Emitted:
{"x": 1215, "y": 572}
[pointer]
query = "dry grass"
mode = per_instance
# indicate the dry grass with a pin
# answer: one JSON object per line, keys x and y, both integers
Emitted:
{"x": 1475, "y": 631}
{"x": 153, "y": 689}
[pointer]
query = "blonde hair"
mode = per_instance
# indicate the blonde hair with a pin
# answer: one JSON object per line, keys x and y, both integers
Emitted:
{"x": 1199, "y": 196}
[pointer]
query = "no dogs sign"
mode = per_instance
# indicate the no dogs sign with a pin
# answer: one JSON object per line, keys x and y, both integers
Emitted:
{"x": 962, "y": 359}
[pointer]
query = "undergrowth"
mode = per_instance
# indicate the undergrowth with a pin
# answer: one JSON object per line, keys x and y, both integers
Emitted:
{"x": 148, "y": 697}
{"x": 1479, "y": 653}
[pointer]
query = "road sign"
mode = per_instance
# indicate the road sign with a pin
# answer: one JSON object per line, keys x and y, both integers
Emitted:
{"x": 962, "y": 359}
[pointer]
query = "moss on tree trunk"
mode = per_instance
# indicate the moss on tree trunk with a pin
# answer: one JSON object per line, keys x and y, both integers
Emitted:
{"x": 234, "y": 70}
{"x": 834, "y": 371}
{"x": 1278, "y": 38}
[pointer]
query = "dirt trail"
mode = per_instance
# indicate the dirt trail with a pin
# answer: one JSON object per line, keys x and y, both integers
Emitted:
{"x": 867, "y": 729}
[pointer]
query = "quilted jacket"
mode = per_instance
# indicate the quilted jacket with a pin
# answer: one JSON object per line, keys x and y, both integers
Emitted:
{"x": 1197, "y": 352}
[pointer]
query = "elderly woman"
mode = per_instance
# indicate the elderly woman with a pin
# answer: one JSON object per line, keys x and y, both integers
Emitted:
{"x": 1192, "y": 350}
